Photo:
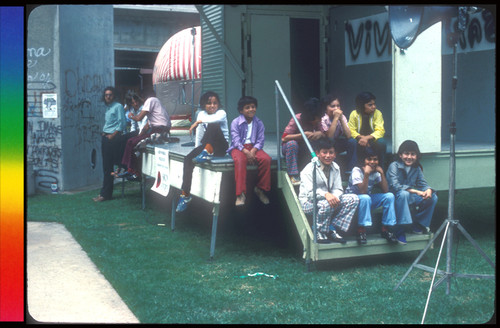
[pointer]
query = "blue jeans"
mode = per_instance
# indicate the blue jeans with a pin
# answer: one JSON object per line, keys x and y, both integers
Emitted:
{"x": 424, "y": 208}
{"x": 367, "y": 202}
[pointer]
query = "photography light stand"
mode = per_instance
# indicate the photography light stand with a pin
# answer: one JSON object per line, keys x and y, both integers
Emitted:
{"x": 450, "y": 224}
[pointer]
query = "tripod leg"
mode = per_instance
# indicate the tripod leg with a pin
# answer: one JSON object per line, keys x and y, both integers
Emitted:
{"x": 473, "y": 242}
{"x": 429, "y": 244}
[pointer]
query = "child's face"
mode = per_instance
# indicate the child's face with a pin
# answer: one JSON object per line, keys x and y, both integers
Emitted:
{"x": 371, "y": 161}
{"x": 326, "y": 156}
{"x": 134, "y": 104}
{"x": 370, "y": 107}
{"x": 333, "y": 106}
{"x": 249, "y": 111}
{"x": 212, "y": 105}
{"x": 408, "y": 157}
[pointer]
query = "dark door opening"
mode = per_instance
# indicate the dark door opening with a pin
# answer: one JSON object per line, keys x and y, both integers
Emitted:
{"x": 304, "y": 60}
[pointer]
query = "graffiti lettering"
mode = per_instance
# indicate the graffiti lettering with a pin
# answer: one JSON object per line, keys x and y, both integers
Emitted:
{"x": 45, "y": 156}
{"x": 75, "y": 83}
{"x": 46, "y": 178}
{"x": 354, "y": 41}
{"x": 38, "y": 52}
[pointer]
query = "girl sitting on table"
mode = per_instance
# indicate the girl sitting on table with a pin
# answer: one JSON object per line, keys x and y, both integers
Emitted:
{"x": 211, "y": 139}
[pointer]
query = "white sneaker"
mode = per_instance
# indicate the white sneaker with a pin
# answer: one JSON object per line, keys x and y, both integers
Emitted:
{"x": 240, "y": 200}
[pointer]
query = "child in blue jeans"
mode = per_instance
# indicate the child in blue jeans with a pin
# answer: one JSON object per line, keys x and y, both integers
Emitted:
{"x": 367, "y": 174}
{"x": 406, "y": 181}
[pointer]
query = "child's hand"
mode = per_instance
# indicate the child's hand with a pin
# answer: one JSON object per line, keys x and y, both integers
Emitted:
{"x": 363, "y": 141}
{"x": 314, "y": 135}
{"x": 367, "y": 169}
{"x": 426, "y": 194}
{"x": 250, "y": 154}
{"x": 337, "y": 113}
{"x": 380, "y": 170}
{"x": 333, "y": 200}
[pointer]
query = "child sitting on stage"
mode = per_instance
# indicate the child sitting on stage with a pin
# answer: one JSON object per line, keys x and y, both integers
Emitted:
{"x": 247, "y": 143}
{"x": 334, "y": 208}
{"x": 363, "y": 178}
{"x": 211, "y": 139}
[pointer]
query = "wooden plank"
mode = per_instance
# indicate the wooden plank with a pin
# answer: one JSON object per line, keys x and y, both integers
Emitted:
{"x": 375, "y": 246}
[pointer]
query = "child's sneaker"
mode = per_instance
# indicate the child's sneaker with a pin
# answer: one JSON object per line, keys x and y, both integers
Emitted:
{"x": 401, "y": 237}
{"x": 419, "y": 229}
{"x": 203, "y": 157}
{"x": 390, "y": 237}
{"x": 295, "y": 180}
{"x": 240, "y": 200}
{"x": 183, "y": 202}
{"x": 262, "y": 196}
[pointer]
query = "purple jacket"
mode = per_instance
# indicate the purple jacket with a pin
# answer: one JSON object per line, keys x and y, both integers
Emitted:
{"x": 239, "y": 128}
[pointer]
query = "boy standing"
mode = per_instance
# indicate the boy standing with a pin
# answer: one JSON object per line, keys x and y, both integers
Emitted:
{"x": 334, "y": 208}
{"x": 247, "y": 143}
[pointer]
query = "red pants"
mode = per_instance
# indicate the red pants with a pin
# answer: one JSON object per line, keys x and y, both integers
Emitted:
{"x": 240, "y": 170}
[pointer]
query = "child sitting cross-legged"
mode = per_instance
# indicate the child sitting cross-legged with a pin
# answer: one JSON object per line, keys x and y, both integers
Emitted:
{"x": 367, "y": 174}
{"x": 334, "y": 208}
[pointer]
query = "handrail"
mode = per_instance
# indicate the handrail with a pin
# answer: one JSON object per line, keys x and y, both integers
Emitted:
{"x": 314, "y": 158}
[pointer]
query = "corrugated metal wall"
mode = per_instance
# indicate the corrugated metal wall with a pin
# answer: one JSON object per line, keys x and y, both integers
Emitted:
{"x": 212, "y": 58}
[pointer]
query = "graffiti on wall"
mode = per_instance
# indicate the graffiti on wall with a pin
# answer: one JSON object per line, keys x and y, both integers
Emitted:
{"x": 80, "y": 107}
{"x": 369, "y": 40}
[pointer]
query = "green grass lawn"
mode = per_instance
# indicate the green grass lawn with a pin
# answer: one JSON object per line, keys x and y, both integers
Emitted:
{"x": 165, "y": 276}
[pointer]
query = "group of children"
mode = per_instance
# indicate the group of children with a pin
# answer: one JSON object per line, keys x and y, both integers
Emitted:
{"x": 403, "y": 187}
{"x": 403, "y": 190}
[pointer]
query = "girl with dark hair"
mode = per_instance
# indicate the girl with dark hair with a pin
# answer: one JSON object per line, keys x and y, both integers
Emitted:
{"x": 334, "y": 124}
{"x": 211, "y": 139}
{"x": 293, "y": 146}
{"x": 407, "y": 182}
{"x": 367, "y": 127}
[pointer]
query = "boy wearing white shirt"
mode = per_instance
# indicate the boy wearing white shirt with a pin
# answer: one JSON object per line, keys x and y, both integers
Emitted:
{"x": 334, "y": 208}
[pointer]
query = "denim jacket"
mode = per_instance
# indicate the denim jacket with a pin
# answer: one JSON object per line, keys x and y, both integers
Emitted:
{"x": 398, "y": 179}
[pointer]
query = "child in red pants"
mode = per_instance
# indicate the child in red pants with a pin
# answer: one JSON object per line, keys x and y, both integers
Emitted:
{"x": 247, "y": 143}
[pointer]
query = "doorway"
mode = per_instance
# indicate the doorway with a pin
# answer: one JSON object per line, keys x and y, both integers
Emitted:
{"x": 304, "y": 60}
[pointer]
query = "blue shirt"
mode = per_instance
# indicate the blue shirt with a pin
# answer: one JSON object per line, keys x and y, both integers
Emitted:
{"x": 239, "y": 128}
{"x": 398, "y": 179}
{"x": 114, "y": 118}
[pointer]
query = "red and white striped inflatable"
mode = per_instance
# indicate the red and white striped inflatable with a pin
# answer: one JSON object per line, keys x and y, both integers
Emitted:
{"x": 174, "y": 59}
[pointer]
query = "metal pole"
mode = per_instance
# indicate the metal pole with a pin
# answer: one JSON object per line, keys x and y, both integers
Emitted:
{"x": 193, "y": 33}
{"x": 315, "y": 215}
{"x": 278, "y": 141}
{"x": 314, "y": 158}
{"x": 451, "y": 196}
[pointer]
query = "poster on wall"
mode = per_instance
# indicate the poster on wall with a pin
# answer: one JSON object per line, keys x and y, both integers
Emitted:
{"x": 49, "y": 105}
{"x": 162, "y": 182}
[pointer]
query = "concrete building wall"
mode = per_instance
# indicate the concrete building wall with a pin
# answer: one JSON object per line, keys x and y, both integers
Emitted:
{"x": 70, "y": 54}
{"x": 43, "y": 135}
{"x": 86, "y": 68}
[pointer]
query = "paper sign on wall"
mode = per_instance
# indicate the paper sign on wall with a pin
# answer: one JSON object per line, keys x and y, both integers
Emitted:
{"x": 49, "y": 105}
{"x": 162, "y": 182}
